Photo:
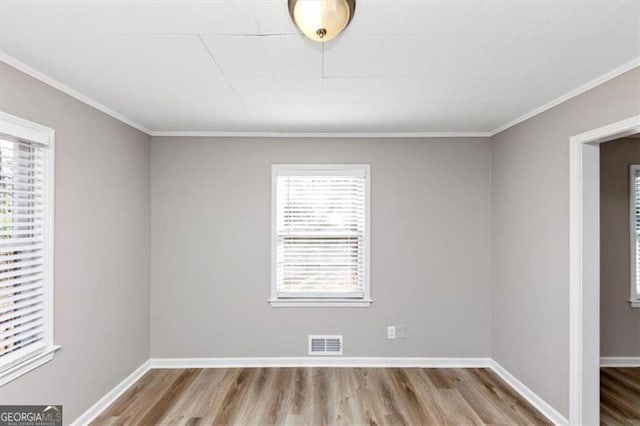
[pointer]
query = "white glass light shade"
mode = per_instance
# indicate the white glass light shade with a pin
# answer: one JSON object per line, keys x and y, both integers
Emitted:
{"x": 321, "y": 20}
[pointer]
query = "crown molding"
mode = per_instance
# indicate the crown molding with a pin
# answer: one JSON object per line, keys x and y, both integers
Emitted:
{"x": 324, "y": 134}
{"x": 21, "y": 66}
{"x": 634, "y": 63}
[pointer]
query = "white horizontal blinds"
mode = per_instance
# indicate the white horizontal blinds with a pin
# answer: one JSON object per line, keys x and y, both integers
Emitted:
{"x": 320, "y": 234}
{"x": 21, "y": 249}
{"x": 636, "y": 181}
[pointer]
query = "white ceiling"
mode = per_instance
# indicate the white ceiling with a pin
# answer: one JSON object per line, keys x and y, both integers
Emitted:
{"x": 401, "y": 66}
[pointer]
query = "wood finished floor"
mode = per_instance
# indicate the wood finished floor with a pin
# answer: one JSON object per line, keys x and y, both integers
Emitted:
{"x": 620, "y": 396}
{"x": 317, "y": 396}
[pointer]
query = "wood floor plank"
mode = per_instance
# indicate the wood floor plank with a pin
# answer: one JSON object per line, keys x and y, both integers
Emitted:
{"x": 369, "y": 405}
{"x": 319, "y": 413}
{"x": 327, "y": 396}
{"x": 392, "y": 412}
{"x": 620, "y": 396}
{"x": 489, "y": 410}
{"x": 433, "y": 412}
{"x": 408, "y": 398}
{"x": 195, "y": 400}
{"x": 168, "y": 396}
{"x": 341, "y": 409}
{"x": 438, "y": 378}
{"x": 237, "y": 392}
{"x": 279, "y": 402}
{"x": 456, "y": 409}
{"x": 137, "y": 400}
{"x": 256, "y": 404}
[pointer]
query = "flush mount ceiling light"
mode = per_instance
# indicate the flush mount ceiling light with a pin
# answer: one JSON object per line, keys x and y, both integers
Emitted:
{"x": 322, "y": 20}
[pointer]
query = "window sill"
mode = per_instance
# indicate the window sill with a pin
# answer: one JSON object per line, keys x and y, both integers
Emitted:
{"x": 27, "y": 365}
{"x": 635, "y": 303}
{"x": 320, "y": 303}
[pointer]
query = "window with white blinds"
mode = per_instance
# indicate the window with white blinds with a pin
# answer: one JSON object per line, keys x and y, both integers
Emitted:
{"x": 25, "y": 244}
{"x": 320, "y": 232}
{"x": 634, "y": 202}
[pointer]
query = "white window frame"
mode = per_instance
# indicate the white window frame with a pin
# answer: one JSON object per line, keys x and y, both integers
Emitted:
{"x": 16, "y": 364}
{"x": 337, "y": 169}
{"x": 635, "y": 295}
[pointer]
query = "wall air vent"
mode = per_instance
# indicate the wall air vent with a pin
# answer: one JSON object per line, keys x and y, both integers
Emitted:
{"x": 325, "y": 345}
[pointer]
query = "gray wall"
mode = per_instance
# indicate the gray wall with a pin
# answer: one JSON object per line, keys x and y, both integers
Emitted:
{"x": 101, "y": 248}
{"x": 619, "y": 322}
{"x": 211, "y": 248}
{"x": 530, "y": 235}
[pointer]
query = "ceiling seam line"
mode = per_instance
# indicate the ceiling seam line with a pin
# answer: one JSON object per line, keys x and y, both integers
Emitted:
{"x": 322, "y": 63}
{"x": 255, "y": 17}
{"x": 224, "y": 75}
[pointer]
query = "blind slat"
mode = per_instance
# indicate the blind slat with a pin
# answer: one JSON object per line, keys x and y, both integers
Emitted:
{"x": 23, "y": 254}
{"x": 20, "y": 272}
{"x": 25, "y": 318}
{"x": 8, "y": 292}
{"x": 21, "y": 280}
{"x": 16, "y": 352}
{"x": 13, "y": 243}
{"x": 17, "y": 332}
{"x": 19, "y": 248}
{"x": 9, "y": 309}
{"x": 35, "y": 311}
{"x": 22, "y": 294}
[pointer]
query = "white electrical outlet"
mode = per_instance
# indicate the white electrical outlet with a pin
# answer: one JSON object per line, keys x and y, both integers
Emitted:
{"x": 401, "y": 332}
{"x": 391, "y": 332}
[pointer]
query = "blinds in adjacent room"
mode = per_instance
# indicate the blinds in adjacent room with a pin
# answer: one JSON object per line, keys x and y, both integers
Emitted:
{"x": 22, "y": 263}
{"x": 321, "y": 231}
{"x": 636, "y": 223}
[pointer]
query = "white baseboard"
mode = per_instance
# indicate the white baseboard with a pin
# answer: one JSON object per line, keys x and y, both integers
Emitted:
{"x": 540, "y": 404}
{"x": 97, "y": 408}
{"x": 380, "y": 362}
{"x": 323, "y": 361}
{"x": 620, "y": 361}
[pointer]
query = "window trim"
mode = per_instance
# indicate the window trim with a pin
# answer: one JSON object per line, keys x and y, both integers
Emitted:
{"x": 634, "y": 298}
{"x": 337, "y": 169}
{"x": 29, "y": 131}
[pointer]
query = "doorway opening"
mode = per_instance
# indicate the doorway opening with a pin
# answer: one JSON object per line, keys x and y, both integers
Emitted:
{"x": 584, "y": 267}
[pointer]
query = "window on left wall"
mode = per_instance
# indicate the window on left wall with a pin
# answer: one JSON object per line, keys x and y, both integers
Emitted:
{"x": 26, "y": 246}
